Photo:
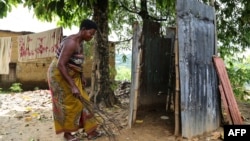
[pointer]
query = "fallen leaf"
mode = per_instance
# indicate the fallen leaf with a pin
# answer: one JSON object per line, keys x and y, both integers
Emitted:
{"x": 28, "y": 119}
{"x": 35, "y": 114}
{"x": 28, "y": 109}
{"x": 139, "y": 121}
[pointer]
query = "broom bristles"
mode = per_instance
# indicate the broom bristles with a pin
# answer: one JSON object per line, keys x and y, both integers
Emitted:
{"x": 101, "y": 114}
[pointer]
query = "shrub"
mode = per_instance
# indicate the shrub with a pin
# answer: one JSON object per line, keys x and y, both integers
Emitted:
{"x": 123, "y": 73}
{"x": 16, "y": 87}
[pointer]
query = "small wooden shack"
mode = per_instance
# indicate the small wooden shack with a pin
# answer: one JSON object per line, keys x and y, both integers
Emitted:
{"x": 175, "y": 71}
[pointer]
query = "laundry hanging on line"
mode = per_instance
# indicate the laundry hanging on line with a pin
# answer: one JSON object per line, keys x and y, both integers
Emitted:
{"x": 38, "y": 45}
{"x": 5, "y": 54}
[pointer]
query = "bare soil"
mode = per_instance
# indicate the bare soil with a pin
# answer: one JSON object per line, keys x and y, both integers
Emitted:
{"x": 27, "y": 116}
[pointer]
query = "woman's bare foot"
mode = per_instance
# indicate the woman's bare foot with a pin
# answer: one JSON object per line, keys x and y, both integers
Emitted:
{"x": 95, "y": 134}
{"x": 69, "y": 137}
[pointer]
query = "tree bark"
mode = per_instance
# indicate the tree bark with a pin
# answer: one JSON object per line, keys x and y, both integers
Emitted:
{"x": 101, "y": 84}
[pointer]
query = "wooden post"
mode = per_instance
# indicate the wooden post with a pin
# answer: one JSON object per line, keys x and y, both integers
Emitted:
{"x": 137, "y": 85}
{"x": 177, "y": 87}
{"x": 135, "y": 81}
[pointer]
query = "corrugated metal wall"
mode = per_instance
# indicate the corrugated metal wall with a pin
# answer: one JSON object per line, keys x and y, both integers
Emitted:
{"x": 157, "y": 57}
{"x": 152, "y": 65}
{"x": 198, "y": 80}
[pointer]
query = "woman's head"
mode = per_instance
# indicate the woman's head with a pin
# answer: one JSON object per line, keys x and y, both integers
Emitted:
{"x": 88, "y": 28}
{"x": 88, "y": 24}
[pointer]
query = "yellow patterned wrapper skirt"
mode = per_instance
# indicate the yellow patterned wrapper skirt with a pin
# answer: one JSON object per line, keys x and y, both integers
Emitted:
{"x": 68, "y": 110}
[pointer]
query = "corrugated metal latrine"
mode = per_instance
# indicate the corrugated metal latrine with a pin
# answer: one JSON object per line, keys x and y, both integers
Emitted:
{"x": 199, "y": 102}
{"x": 152, "y": 67}
{"x": 157, "y": 59}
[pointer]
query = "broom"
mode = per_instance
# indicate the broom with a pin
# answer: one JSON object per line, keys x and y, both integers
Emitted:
{"x": 90, "y": 106}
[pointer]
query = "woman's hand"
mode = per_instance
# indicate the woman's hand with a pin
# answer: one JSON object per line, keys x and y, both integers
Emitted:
{"x": 84, "y": 81}
{"x": 75, "y": 91}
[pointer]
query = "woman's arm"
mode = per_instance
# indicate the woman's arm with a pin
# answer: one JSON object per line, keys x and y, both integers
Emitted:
{"x": 69, "y": 47}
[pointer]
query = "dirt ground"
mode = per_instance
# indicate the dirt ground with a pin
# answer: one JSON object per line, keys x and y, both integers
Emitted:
{"x": 27, "y": 116}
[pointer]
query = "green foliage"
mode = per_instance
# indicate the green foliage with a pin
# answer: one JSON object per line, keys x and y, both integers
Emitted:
{"x": 123, "y": 59}
{"x": 36, "y": 88}
{"x": 112, "y": 72}
{"x": 239, "y": 75}
{"x": 114, "y": 85}
{"x": 88, "y": 47}
{"x": 16, "y": 87}
{"x": 67, "y": 13}
{"x": 0, "y": 90}
{"x": 6, "y": 6}
{"x": 123, "y": 73}
{"x": 232, "y": 26}
{"x": 123, "y": 66}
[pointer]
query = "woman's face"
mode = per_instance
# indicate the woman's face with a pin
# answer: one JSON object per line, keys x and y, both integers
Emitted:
{"x": 89, "y": 34}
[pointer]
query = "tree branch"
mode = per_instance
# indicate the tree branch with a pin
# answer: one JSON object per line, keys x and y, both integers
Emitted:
{"x": 126, "y": 8}
{"x": 121, "y": 41}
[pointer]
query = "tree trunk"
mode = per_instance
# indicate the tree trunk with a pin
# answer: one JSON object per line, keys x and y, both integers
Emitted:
{"x": 100, "y": 84}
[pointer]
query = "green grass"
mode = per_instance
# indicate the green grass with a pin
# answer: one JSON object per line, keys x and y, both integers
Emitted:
{"x": 123, "y": 73}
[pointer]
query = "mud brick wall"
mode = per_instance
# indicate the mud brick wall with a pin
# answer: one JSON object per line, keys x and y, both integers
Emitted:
{"x": 34, "y": 74}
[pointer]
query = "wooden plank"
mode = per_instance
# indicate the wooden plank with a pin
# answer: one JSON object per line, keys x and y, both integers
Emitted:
{"x": 224, "y": 101}
{"x": 231, "y": 102}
